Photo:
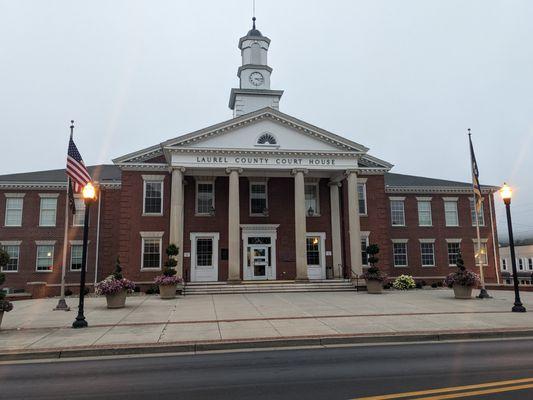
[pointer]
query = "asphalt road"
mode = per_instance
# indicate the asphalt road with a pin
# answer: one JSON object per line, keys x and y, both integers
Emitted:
{"x": 334, "y": 373}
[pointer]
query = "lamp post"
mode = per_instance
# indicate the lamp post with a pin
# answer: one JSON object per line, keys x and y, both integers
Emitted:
{"x": 89, "y": 196}
{"x": 506, "y": 194}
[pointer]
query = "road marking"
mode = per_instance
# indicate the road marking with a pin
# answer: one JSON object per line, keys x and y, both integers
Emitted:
{"x": 478, "y": 392}
{"x": 457, "y": 389}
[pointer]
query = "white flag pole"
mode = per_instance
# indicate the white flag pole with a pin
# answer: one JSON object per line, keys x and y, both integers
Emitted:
{"x": 62, "y": 304}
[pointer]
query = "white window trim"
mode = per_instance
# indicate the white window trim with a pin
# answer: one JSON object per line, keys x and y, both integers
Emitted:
{"x": 448, "y": 241}
{"x": 153, "y": 179}
{"x": 47, "y": 196}
{"x": 406, "y": 253}
{"x": 457, "y": 240}
{"x": 78, "y": 197}
{"x": 424, "y": 200}
{"x": 151, "y": 236}
{"x": 75, "y": 243}
{"x": 317, "y": 211}
{"x": 11, "y": 243}
{"x": 365, "y": 235}
{"x": 482, "y": 211}
{"x": 431, "y": 241}
{"x": 362, "y": 181}
{"x": 44, "y": 243}
{"x": 214, "y": 236}
{"x": 203, "y": 182}
{"x": 451, "y": 200}
{"x": 402, "y": 199}
{"x": 17, "y": 196}
{"x": 483, "y": 241}
{"x": 257, "y": 182}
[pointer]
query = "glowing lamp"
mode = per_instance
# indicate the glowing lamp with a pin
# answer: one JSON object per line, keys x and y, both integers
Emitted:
{"x": 506, "y": 192}
{"x": 89, "y": 192}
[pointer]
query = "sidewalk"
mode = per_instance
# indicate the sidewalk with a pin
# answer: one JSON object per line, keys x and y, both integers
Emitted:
{"x": 149, "y": 322}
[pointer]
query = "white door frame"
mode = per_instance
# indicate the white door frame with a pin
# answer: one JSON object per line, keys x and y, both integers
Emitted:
{"x": 265, "y": 247}
{"x": 259, "y": 230}
{"x": 196, "y": 274}
{"x": 312, "y": 269}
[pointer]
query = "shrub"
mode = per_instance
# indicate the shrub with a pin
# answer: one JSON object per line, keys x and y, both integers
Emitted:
{"x": 114, "y": 283}
{"x": 462, "y": 277}
{"x": 5, "y": 306}
{"x": 169, "y": 272}
{"x": 152, "y": 290}
{"x": 68, "y": 292}
{"x": 434, "y": 285}
{"x": 404, "y": 282}
{"x": 419, "y": 285}
{"x": 373, "y": 273}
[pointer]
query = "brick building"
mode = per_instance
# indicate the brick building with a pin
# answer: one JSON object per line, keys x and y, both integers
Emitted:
{"x": 262, "y": 196}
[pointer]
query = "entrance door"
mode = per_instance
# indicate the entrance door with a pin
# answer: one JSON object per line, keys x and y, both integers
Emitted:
{"x": 259, "y": 261}
{"x": 316, "y": 260}
{"x": 204, "y": 257}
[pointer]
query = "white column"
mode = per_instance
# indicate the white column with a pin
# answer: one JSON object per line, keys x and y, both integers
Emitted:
{"x": 354, "y": 223}
{"x": 176, "y": 215}
{"x": 234, "y": 263}
{"x": 335, "y": 228}
{"x": 300, "y": 224}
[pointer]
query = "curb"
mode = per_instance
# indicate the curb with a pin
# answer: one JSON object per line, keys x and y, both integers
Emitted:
{"x": 306, "y": 341}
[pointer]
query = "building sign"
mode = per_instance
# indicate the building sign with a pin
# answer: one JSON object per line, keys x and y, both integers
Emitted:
{"x": 264, "y": 162}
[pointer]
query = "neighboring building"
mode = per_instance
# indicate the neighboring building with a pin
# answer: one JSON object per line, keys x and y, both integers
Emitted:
{"x": 262, "y": 196}
{"x": 524, "y": 262}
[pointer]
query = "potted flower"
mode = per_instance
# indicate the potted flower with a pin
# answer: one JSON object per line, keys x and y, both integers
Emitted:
{"x": 373, "y": 276}
{"x": 462, "y": 281}
{"x": 115, "y": 287}
{"x": 5, "y": 306}
{"x": 168, "y": 282}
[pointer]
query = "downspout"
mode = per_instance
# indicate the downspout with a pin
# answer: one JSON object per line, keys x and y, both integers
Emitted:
{"x": 97, "y": 240}
{"x": 494, "y": 244}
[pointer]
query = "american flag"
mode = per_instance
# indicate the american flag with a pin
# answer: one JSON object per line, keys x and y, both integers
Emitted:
{"x": 76, "y": 170}
{"x": 475, "y": 175}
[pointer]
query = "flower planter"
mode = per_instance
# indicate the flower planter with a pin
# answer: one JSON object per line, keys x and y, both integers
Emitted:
{"x": 179, "y": 288}
{"x": 374, "y": 287}
{"x": 117, "y": 300}
{"x": 167, "y": 291}
{"x": 462, "y": 292}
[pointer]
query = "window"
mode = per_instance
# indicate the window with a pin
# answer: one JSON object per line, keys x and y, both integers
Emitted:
{"x": 521, "y": 264}
{"x": 504, "y": 264}
{"x": 258, "y": 198}
{"x": 45, "y": 257}
{"x": 76, "y": 255}
{"x": 313, "y": 250}
{"x": 427, "y": 254}
{"x": 153, "y": 197}
{"x": 255, "y": 53}
{"x": 204, "y": 252}
{"x": 399, "y": 252}
{"x": 481, "y": 218}
{"x": 13, "y": 250}
{"x": 311, "y": 199}
{"x": 267, "y": 139}
{"x": 364, "y": 255}
{"x": 397, "y": 212}
{"x": 530, "y": 264}
{"x": 424, "y": 213}
{"x": 361, "y": 195}
{"x": 483, "y": 253}
{"x": 79, "y": 215}
{"x": 151, "y": 257}
{"x": 205, "y": 198}
{"x": 450, "y": 211}
{"x": 47, "y": 214}
{"x": 454, "y": 248}
{"x": 14, "y": 211}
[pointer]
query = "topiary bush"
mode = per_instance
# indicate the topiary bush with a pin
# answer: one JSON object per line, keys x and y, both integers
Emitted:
{"x": 5, "y": 306}
{"x": 373, "y": 272}
{"x": 404, "y": 282}
{"x": 462, "y": 277}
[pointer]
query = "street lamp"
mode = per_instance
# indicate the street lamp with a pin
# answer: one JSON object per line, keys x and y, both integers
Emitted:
{"x": 89, "y": 196}
{"x": 506, "y": 193}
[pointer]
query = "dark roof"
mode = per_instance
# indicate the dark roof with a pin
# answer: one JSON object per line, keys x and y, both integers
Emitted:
{"x": 254, "y": 32}
{"x": 100, "y": 173}
{"x": 392, "y": 179}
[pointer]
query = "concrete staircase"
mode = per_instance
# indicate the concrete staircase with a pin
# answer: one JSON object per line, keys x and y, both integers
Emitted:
{"x": 330, "y": 285}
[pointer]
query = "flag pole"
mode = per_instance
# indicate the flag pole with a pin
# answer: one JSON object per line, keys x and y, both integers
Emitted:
{"x": 483, "y": 294}
{"x": 62, "y": 304}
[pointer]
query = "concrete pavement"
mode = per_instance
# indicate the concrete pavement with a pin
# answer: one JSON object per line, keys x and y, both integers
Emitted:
{"x": 148, "y": 320}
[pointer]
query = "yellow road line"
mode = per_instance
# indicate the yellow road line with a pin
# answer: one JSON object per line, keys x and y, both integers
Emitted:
{"x": 478, "y": 392}
{"x": 447, "y": 389}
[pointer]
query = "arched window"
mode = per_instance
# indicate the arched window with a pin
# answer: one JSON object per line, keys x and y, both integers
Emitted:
{"x": 267, "y": 139}
{"x": 256, "y": 54}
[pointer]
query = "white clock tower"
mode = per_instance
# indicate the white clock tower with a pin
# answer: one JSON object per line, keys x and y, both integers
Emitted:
{"x": 254, "y": 92}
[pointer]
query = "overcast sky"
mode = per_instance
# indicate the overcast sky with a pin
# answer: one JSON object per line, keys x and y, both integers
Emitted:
{"x": 405, "y": 78}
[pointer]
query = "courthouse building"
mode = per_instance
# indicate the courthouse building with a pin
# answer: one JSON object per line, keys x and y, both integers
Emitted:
{"x": 261, "y": 196}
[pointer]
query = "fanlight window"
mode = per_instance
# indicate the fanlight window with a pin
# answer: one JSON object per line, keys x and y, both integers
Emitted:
{"x": 267, "y": 138}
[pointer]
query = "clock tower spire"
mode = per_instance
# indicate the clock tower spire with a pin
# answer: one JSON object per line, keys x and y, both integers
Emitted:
{"x": 254, "y": 90}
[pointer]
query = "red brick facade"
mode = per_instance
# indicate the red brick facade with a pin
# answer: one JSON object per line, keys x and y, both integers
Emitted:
{"x": 121, "y": 222}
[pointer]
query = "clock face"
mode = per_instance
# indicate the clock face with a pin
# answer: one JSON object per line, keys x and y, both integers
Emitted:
{"x": 256, "y": 78}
